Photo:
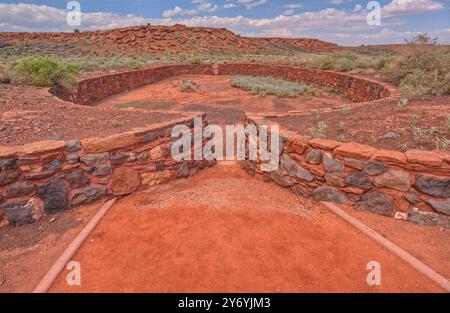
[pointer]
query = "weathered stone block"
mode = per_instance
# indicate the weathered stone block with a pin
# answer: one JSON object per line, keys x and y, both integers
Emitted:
{"x": 156, "y": 178}
{"x": 428, "y": 218}
{"x": 86, "y": 195}
{"x": 95, "y": 159}
{"x": 329, "y": 195}
{"x": 19, "y": 189}
{"x": 281, "y": 180}
{"x": 124, "y": 181}
{"x": 38, "y": 176}
{"x": 76, "y": 179}
{"x": 440, "y": 205}
{"x": 183, "y": 171}
{"x": 156, "y": 153}
{"x": 358, "y": 180}
{"x": 332, "y": 165}
{"x": 390, "y": 156}
{"x": 374, "y": 168}
{"x": 98, "y": 145}
{"x": 376, "y": 202}
{"x": 355, "y": 150}
{"x": 314, "y": 156}
{"x": 73, "y": 145}
{"x": 54, "y": 194}
{"x": 398, "y": 180}
{"x": 423, "y": 157}
{"x": 22, "y": 212}
{"x": 8, "y": 164}
{"x": 118, "y": 158}
{"x": 324, "y": 143}
{"x": 8, "y": 176}
{"x": 433, "y": 186}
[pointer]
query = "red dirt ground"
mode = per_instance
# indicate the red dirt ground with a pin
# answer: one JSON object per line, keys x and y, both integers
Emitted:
{"x": 250, "y": 237}
{"x": 216, "y": 96}
{"x": 29, "y": 114}
{"x": 362, "y": 127}
{"x": 28, "y": 252}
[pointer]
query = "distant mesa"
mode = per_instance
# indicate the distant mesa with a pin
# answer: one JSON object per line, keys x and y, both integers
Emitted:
{"x": 176, "y": 39}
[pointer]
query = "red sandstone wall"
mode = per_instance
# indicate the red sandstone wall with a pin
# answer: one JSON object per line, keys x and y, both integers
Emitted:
{"x": 414, "y": 185}
{"x": 94, "y": 89}
{"x": 44, "y": 177}
{"x": 354, "y": 88}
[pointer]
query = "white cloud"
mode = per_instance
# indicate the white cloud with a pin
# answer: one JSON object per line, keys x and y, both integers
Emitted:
{"x": 337, "y": 1}
{"x": 202, "y": 6}
{"x": 397, "y": 7}
{"x": 277, "y": 32}
{"x": 289, "y": 12}
{"x": 358, "y": 8}
{"x": 250, "y": 4}
{"x": 344, "y": 27}
{"x": 229, "y": 5}
{"x": 293, "y": 6}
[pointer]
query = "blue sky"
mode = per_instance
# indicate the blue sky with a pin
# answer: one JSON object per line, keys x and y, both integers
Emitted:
{"x": 340, "y": 21}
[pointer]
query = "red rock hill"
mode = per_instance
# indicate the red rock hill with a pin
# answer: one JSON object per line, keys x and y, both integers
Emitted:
{"x": 177, "y": 39}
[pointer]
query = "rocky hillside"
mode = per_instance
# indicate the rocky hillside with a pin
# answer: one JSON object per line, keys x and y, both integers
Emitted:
{"x": 177, "y": 39}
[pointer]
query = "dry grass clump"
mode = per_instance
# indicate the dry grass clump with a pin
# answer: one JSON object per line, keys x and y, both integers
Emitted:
{"x": 188, "y": 86}
{"x": 6, "y": 74}
{"x": 264, "y": 86}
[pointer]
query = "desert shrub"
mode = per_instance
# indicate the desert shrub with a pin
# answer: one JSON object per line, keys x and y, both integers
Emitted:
{"x": 132, "y": 64}
{"x": 421, "y": 68}
{"x": 322, "y": 62}
{"x": 264, "y": 86}
{"x": 320, "y": 131}
{"x": 188, "y": 86}
{"x": 45, "y": 72}
{"x": 196, "y": 60}
{"x": 6, "y": 74}
{"x": 345, "y": 62}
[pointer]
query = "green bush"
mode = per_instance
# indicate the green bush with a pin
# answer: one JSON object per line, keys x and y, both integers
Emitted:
{"x": 420, "y": 69}
{"x": 45, "y": 72}
{"x": 345, "y": 62}
{"x": 270, "y": 86}
{"x": 322, "y": 62}
{"x": 196, "y": 60}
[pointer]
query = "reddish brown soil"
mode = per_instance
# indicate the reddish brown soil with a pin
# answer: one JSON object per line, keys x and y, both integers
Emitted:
{"x": 428, "y": 244}
{"x": 157, "y": 40}
{"x": 223, "y": 103}
{"x": 28, "y": 252}
{"x": 30, "y": 114}
{"x": 252, "y": 236}
{"x": 370, "y": 123}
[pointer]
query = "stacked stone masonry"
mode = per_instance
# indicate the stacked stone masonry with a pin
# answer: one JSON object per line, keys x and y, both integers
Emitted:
{"x": 49, "y": 176}
{"x": 94, "y": 89}
{"x": 44, "y": 177}
{"x": 414, "y": 185}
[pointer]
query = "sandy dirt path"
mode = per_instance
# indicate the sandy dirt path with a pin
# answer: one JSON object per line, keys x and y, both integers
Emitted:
{"x": 224, "y": 231}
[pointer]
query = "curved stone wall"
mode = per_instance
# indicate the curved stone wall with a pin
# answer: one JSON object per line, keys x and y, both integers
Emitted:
{"x": 414, "y": 185}
{"x": 354, "y": 88}
{"x": 48, "y": 176}
{"x": 90, "y": 90}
